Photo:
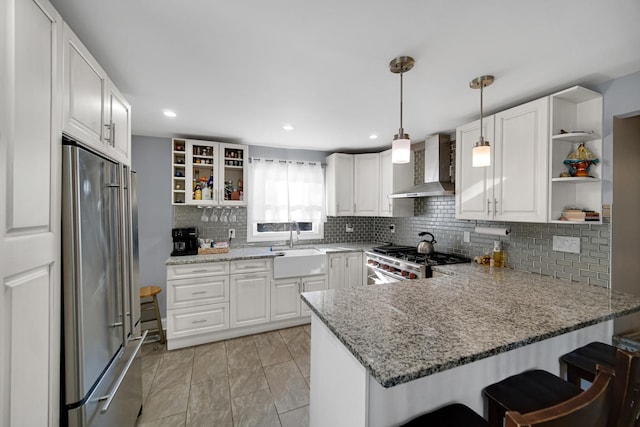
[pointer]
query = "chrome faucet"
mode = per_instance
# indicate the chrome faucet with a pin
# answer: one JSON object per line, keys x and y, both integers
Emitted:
{"x": 291, "y": 232}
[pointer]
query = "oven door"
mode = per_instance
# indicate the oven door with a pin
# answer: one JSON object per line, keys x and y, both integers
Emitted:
{"x": 378, "y": 277}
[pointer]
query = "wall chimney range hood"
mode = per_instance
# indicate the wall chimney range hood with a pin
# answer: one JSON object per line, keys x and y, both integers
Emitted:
{"x": 437, "y": 171}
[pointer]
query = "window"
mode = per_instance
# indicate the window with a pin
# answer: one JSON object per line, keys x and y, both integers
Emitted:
{"x": 282, "y": 192}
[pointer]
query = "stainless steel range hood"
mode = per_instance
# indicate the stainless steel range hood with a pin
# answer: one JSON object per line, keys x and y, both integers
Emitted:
{"x": 437, "y": 171}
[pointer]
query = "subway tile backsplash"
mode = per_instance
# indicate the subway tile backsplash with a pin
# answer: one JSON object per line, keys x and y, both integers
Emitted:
{"x": 528, "y": 247}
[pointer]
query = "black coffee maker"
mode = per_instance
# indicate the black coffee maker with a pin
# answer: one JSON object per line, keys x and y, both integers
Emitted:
{"x": 185, "y": 241}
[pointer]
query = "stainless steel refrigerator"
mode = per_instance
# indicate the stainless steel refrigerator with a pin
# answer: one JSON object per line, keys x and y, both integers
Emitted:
{"x": 101, "y": 378}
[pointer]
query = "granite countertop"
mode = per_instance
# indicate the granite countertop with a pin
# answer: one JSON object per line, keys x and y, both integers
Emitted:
{"x": 407, "y": 330}
{"x": 249, "y": 252}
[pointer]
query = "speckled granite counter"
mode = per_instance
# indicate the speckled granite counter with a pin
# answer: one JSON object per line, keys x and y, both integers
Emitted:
{"x": 403, "y": 331}
{"x": 249, "y": 252}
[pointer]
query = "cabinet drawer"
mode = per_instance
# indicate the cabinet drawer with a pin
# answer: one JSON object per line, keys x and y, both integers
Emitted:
{"x": 200, "y": 291}
{"x": 185, "y": 271}
{"x": 197, "y": 320}
{"x": 250, "y": 265}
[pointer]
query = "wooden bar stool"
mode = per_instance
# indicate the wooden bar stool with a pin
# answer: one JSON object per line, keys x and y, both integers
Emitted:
{"x": 526, "y": 392}
{"x": 152, "y": 307}
{"x": 534, "y": 390}
{"x": 581, "y": 362}
{"x": 588, "y": 408}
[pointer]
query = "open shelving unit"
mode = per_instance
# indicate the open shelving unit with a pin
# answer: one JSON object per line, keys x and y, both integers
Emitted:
{"x": 578, "y": 112}
{"x": 178, "y": 169}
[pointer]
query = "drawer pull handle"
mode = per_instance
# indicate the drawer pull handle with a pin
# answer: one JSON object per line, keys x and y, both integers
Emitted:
{"x": 199, "y": 321}
{"x": 200, "y": 271}
{"x": 198, "y": 293}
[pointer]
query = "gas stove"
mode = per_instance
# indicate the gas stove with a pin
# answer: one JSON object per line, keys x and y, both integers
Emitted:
{"x": 393, "y": 263}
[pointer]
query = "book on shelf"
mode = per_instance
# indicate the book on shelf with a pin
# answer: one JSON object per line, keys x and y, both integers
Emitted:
{"x": 579, "y": 215}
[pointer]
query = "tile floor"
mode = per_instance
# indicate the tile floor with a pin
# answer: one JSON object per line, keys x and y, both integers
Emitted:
{"x": 258, "y": 380}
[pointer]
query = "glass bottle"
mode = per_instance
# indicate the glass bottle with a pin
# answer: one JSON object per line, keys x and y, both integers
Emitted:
{"x": 498, "y": 256}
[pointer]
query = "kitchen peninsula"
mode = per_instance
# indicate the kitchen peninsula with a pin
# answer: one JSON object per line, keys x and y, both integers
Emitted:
{"x": 381, "y": 355}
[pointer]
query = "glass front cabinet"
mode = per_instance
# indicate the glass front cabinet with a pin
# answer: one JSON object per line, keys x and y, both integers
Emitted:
{"x": 208, "y": 173}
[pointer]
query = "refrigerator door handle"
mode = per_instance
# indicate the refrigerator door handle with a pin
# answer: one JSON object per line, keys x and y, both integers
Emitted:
{"x": 109, "y": 397}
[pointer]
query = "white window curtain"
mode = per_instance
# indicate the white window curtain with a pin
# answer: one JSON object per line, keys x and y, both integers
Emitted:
{"x": 285, "y": 191}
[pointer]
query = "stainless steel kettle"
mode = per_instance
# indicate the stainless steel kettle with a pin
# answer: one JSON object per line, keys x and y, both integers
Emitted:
{"x": 426, "y": 247}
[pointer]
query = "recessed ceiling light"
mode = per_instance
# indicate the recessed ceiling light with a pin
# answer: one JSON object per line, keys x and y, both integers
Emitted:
{"x": 169, "y": 113}
{"x": 373, "y": 136}
{"x": 287, "y": 126}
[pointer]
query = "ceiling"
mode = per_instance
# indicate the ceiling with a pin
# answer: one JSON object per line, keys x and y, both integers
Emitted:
{"x": 237, "y": 71}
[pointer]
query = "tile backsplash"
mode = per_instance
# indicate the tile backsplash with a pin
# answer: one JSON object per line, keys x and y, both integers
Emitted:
{"x": 528, "y": 247}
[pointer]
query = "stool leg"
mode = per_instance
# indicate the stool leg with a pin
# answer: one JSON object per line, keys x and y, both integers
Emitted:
{"x": 158, "y": 319}
{"x": 495, "y": 414}
{"x": 572, "y": 375}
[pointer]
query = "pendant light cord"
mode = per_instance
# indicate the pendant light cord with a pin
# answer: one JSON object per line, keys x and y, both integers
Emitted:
{"x": 481, "y": 112}
{"x": 401, "y": 130}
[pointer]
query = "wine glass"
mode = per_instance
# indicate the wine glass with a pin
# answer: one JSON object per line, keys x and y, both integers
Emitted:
{"x": 234, "y": 215}
{"x": 224, "y": 216}
{"x": 214, "y": 216}
{"x": 204, "y": 217}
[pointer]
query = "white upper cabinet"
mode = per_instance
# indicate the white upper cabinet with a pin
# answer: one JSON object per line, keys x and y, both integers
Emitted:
{"x": 474, "y": 186}
{"x": 208, "y": 173}
{"x": 514, "y": 187}
{"x": 521, "y": 159}
{"x": 94, "y": 111}
{"x": 118, "y": 124}
{"x": 393, "y": 178}
{"x": 366, "y": 184}
{"x": 84, "y": 89}
{"x": 339, "y": 184}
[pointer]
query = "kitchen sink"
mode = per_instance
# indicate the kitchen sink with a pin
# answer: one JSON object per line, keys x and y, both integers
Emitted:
{"x": 299, "y": 262}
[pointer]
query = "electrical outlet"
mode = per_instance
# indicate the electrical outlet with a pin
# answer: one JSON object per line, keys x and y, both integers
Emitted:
{"x": 566, "y": 244}
{"x": 232, "y": 233}
{"x": 392, "y": 228}
{"x": 467, "y": 237}
{"x": 349, "y": 228}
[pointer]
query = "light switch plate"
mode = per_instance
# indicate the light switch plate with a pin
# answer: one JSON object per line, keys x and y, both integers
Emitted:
{"x": 566, "y": 244}
{"x": 467, "y": 237}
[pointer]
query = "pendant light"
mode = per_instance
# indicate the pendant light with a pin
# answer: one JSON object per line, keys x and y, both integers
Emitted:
{"x": 401, "y": 146}
{"x": 481, "y": 154}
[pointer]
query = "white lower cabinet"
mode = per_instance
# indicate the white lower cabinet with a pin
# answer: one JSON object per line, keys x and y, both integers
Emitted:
{"x": 191, "y": 321}
{"x": 212, "y": 301}
{"x": 285, "y": 298}
{"x": 192, "y": 292}
{"x": 345, "y": 270}
{"x": 197, "y": 299}
{"x": 309, "y": 284}
{"x": 285, "y": 295}
{"x": 250, "y": 299}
